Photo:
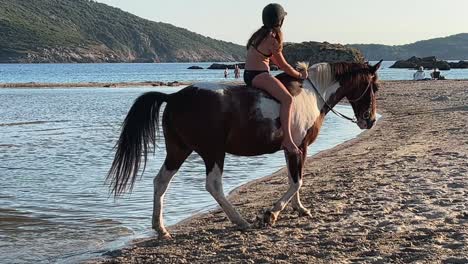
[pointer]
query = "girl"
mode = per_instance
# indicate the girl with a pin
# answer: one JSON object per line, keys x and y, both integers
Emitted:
{"x": 265, "y": 44}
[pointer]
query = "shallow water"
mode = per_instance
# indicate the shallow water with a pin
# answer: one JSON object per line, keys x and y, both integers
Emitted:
{"x": 165, "y": 72}
{"x": 55, "y": 150}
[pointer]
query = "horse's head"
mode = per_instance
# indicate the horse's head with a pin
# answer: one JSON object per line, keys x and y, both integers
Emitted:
{"x": 360, "y": 84}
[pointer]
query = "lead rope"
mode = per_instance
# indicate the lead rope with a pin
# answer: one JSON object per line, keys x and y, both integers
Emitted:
{"x": 331, "y": 108}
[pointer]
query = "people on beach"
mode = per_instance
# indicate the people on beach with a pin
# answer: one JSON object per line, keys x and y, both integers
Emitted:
{"x": 236, "y": 71}
{"x": 226, "y": 73}
{"x": 435, "y": 75}
{"x": 419, "y": 74}
{"x": 265, "y": 44}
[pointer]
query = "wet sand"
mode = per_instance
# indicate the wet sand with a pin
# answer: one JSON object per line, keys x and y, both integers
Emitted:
{"x": 90, "y": 84}
{"x": 396, "y": 194}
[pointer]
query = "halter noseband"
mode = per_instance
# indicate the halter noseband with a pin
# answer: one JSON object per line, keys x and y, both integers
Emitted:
{"x": 353, "y": 119}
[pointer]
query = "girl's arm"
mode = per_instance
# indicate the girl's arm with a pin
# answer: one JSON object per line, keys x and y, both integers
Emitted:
{"x": 278, "y": 59}
{"x": 281, "y": 62}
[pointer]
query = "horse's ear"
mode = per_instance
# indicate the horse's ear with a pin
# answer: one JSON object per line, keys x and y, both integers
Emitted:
{"x": 376, "y": 67}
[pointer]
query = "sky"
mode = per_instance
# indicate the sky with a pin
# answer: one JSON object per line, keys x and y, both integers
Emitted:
{"x": 390, "y": 22}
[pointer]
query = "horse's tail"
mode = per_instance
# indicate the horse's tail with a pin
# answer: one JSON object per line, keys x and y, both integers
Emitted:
{"x": 139, "y": 132}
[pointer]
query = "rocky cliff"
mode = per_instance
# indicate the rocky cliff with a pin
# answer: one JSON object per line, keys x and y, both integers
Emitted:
{"x": 314, "y": 52}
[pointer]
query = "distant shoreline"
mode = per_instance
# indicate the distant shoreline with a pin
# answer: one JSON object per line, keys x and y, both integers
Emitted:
{"x": 91, "y": 84}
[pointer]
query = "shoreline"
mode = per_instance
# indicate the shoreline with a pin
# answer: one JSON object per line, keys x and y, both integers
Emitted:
{"x": 395, "y": 193}
{"x": 92, "y": 84}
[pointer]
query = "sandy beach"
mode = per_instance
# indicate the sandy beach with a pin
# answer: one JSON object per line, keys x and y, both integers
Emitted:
{"x": 396, "y": 194}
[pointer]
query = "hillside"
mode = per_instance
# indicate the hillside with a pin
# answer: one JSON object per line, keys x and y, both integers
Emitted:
{"x": 87, "y": 31}
{"x": 453, "y": 47}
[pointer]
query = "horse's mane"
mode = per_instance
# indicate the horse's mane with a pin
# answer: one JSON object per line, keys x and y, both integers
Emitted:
{"x": 354, "y": 70}
{"x": 302, "y": 66}
{"x": 325, "y": 74}
{"x": 322, "y": 75}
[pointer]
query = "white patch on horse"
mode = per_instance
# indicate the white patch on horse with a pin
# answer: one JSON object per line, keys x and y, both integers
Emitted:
{"x": 306, "y": 105}
{"x": 214, "y": 186}
{"x": 304, "y": 113}
{"x": 161, "y": 182}
{"x": 269, "y": 108}
{"x": 215, "y": 87}
{"x": 303, "y": 116}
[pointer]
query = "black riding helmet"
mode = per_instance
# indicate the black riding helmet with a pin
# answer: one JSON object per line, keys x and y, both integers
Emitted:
{"x": 273, "y": 15}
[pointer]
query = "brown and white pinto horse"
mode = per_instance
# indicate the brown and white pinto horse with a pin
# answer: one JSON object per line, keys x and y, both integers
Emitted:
{"x": 213, "y": 119}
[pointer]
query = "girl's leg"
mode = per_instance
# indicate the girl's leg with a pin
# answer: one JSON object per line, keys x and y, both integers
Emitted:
{"x": 276, "y": 89}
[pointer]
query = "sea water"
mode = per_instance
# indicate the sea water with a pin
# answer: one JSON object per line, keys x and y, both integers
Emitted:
{"x": 56, "y": 146}
{"x": 165, "y": 72}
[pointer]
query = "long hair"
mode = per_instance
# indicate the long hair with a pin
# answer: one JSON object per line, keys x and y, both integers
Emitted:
{"x": 262, "y": 33}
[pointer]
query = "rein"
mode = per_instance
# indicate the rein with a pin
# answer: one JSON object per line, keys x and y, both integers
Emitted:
{"x": 353, "y": 119}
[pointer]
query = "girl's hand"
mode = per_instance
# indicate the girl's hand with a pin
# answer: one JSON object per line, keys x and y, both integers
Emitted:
{"x": 303, "y": 75}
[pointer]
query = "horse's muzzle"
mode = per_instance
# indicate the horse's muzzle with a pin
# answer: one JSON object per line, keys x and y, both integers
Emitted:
{"x": 366, "y": 123}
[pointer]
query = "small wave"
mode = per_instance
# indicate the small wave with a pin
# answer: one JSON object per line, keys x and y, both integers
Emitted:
{"x": 104, "y": 221}
{"x": 33, "y": 122}
{"x": 13, "y": 219}
{"x": 8, "y": 145}
{"x": 21, "y": 168}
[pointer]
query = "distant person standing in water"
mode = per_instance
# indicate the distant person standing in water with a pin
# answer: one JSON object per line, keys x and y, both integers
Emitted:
{"x": 226, "y": 73}
{"x": 236, "y": 71}
{"x": 265, "y": 44}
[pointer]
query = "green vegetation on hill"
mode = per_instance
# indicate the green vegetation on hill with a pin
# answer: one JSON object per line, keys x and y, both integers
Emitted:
{"x": 314, "y": 52}
{"x": 87, "y": 31}
{"x": 453, "y": 47}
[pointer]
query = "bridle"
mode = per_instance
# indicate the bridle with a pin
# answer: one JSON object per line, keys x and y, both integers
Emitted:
{"x": 352, "y": 119}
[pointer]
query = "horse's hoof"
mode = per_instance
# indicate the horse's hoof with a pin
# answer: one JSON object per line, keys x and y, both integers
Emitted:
{"x": 164, "y": 235}
{"x": 269, "y": 219}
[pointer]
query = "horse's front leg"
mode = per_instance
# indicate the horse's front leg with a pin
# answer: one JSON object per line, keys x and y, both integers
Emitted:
{"x": 296, "y": 201}
{"x": 294, "y": 164}
{"x": 298, "y": 207}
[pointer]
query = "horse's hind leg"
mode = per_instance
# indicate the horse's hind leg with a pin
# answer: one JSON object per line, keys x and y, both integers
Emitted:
{"x": 214, "y": 185}
{"x": 176, "y": 155}
{"x": 294, "y": 163}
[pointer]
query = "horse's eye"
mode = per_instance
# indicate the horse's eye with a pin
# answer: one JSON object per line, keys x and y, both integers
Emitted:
{"x": 366, "y": 115}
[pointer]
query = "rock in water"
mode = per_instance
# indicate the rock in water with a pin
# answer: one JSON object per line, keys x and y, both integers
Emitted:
{"x": 459, "y": 65}
{"x": 220, "y": 66}
{"x": 427, "y": 62}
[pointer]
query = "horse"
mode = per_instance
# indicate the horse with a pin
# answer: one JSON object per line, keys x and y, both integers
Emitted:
{"x": 213, "y": 119}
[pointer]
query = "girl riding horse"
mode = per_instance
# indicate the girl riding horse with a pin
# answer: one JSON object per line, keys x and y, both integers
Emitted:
{"x": 265, "y": 44}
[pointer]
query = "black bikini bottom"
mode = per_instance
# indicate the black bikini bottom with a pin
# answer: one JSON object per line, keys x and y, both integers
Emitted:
{"x": 250, "y": 75}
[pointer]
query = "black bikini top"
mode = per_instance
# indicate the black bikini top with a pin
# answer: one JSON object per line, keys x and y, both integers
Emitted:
{"x": 266, "y": 56}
